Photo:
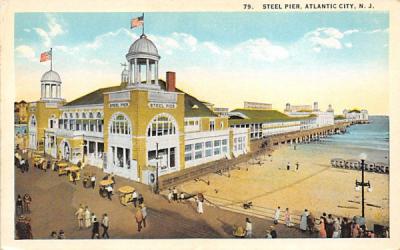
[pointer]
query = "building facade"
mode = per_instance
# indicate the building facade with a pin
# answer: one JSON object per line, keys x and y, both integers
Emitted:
{"x": 141, "y": 127}
{"x": 356, "y": 115}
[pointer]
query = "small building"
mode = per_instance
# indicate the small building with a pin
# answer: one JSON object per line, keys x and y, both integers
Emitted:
{"x": 356, "y": 115}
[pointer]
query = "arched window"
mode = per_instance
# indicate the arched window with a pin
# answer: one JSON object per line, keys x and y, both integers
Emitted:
{"x": 84, "y": 115}
{"x": 76, "y": 115}
{"x": 120, "y": 125}
{"x": 98, "y": 115}
{"x": 161, "y": 125}
{"x": 90, "y": 115}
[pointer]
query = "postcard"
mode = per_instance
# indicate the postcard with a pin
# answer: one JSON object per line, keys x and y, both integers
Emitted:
{"x": 170, "y": 125}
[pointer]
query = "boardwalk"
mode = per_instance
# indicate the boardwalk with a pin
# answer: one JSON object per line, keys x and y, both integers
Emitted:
{"x": 55, "y": 200}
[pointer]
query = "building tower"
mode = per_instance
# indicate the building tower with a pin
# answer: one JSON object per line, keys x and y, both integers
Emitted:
{"x": 143, "y": 60}
{"x": 287, "y": 109}
{"x": 315, "y": 108}
{"x": 330, "y": 109}
{"x": 50, "y": 87}
{"x": 124, "y": 76}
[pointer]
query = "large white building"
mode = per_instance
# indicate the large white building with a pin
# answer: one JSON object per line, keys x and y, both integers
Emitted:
{"x": 356, "y": 115}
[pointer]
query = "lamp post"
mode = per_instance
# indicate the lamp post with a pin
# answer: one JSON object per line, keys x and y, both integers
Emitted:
{"x": 363, "y": 184}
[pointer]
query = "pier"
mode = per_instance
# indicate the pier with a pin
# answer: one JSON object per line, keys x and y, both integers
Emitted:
{"x": 257, "y": 148}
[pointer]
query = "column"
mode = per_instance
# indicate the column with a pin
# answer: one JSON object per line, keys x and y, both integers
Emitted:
{"x": 42, "y": 92}
{"x": 51, "y": 90}
{"x": 148, "y": 72}
{"x": 95, "y": 150}
{"x": 130, "y": 73}
{"x": 123, "y": 157}
{"x": 136, "y": 75}
{"x": 156, "y": 72}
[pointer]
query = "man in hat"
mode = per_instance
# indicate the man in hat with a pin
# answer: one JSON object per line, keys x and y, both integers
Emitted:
{"x": 93, "y": 181}
{"x": 249, "y": 228}
{"x": 105, "y": 223}
{"x": 27, "y": 202}
{"x": 21, "y": 228}
{"x": 95, "y": 229}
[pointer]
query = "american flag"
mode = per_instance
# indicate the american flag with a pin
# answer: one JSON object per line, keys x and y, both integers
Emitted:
{"x": 137, "y": 22}
{"x": 45, "y": 56}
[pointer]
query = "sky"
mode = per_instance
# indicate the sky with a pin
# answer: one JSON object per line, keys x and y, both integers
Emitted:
{"x": 338, "y": 58}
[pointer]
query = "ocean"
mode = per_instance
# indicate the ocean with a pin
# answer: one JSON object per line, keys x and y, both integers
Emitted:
{"x": 371, "y": 139}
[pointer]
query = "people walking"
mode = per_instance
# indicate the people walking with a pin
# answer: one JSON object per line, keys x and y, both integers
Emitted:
{"x": 310, "y": 223}
{"x": 277, "y": 215}
{"x": 249, "y": 228}
{"x": 144, "y": 213}
{"x": 19, "y": 206}
{"x": 80, "y": 214}
{"x": 21, "y": 228}
{"x": 336, "y": 228}
{"x": 93, "y": 217}
{"x": 288, "y": 166}
{"x": 87, "y": 217}
{"x": 140, "y": 199}
{"x": 345, "y": 228}
{"x": 27, "y": 202}
{"x": 288, "y": 218}
{"x": 274, "y": 234}
{"x": 355, "y": 229}
{"x": 28, "y": 228}
{"x": 322, "y": 230}
{"x": 109, "y": 189}
{"x": 297, "y": 166}
{"x": 74, "y": 176}
{"x": 200, "y": 201}
{"x": 61, "y": 235}
{"x": 93, "y": 181}
{"x": 175, "y": 194}
{"x": 329, "y": 226}
{"x": 169, "y": 195}
{"x": 105, "y": 223}
{"x": 303, "y": 221}
{"x": 139, "y": 218}
{"x": 53, "y": 235}
{"x": 134, "y": 198}
{"x": 95, "y": 229}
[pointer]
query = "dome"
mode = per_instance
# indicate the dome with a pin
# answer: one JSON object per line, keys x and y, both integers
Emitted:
{"x": 143, "y": 46}
{"x": 51, "y": 76}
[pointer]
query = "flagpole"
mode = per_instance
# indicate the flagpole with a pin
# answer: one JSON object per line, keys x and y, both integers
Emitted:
{"x": 51, "y": 59}
{"x": 143, "y": 24}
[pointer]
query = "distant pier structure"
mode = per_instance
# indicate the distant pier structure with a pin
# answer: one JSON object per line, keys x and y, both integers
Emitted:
{"x": 376, "y": 167}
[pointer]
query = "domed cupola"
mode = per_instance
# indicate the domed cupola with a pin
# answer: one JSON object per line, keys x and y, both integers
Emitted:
{"x": 50, "y": 86}
{"x": 143, "y": 60}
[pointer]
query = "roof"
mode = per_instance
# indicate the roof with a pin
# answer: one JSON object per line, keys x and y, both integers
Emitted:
{"x": 193, "y": 107}
{"x": 262, "y": 116}
{"x": 339, "y": 117}
{"x": 143, "y": 46}
{"x": 95, "y": 97}
{"x": 354, "y": 111}
{"x": 51, "y": 76}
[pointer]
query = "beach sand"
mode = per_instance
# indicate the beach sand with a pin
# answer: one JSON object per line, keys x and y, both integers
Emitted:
{"x": 315, "y": 186}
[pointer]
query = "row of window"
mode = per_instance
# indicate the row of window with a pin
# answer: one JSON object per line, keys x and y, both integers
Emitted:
{"x": 78, "y": 125}
{"x": 120, "y": 125}
{"x": 83, "y": 115}
{"x": 203, "y": 150}
{"x": 239, "y": 143}
{"x": 160, "y": 126}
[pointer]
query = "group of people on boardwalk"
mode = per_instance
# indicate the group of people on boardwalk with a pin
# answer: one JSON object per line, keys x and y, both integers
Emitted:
{"x": 87, "y": 219}
{"x": 327, "y": 226}
{"x": 23, "y": 226}
{"x": 247, "y": 231}
{"x": 174, "y": 195}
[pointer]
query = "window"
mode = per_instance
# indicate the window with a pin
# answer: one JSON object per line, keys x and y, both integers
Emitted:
{"x": 172, "y": 157}
{"x": 160, "y": 126}
{"x": 217, "y": 148}
{"x": 198, "y": 147}
{"x": 208, "y": 148}
{"x": 225, "y": 146}
{"x": 188, "y": 152}
{"x": 120, "y": 125}
{"x": 198, "y": 155}
{"x": 212, "y": 125}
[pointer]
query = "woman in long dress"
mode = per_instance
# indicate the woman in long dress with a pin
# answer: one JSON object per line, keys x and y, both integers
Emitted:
{"x": 322, "y": 231}
{"x": 288, "y": 219}
{"x": 199, "y": 206}
{"x": 87, "y": 218}
{"x": 303, "y": 221}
